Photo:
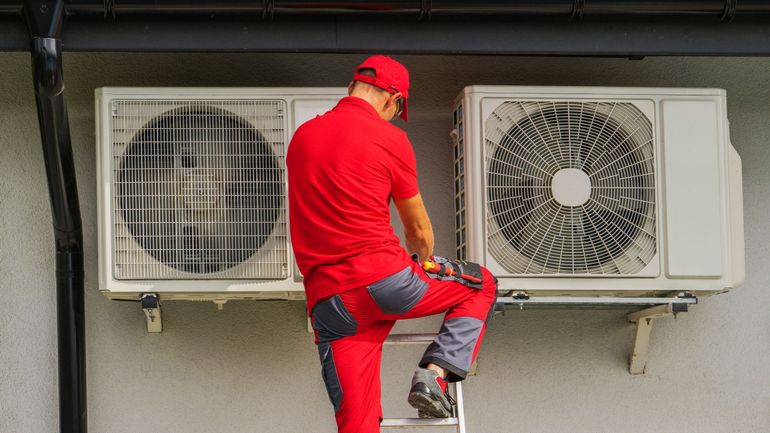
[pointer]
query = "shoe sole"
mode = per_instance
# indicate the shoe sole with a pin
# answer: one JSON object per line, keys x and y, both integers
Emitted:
{"x": 427, "y": 406}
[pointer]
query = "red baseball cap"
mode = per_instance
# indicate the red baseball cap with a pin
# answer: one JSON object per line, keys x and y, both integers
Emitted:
{"x": 390, "y": 75}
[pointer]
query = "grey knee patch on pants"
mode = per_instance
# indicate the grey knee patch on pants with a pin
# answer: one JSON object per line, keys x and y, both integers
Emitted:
{"x": 398, "y": 293}
{"x": 329, "y": 374}
{"x": 452, "y": 349}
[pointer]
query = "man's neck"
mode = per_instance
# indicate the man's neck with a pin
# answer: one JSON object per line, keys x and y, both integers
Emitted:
{"x": 372, "y": 99}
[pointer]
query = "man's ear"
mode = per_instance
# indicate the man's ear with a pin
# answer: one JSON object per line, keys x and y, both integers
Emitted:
{"x": 392, "y": 99}
{"x": 350, "y": 87}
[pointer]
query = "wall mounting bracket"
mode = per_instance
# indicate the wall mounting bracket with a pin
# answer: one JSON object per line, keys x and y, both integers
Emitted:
{"x": 151, "y": 308}
{"x": 644, "y": 320}
{"x": 650, "y": 309}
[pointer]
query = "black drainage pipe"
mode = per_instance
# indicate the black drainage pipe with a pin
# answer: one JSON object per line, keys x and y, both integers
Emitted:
{"x": 45, "y": 19}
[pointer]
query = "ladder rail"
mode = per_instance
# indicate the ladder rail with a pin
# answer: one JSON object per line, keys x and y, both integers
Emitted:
{"x": 459, "y": 407}
{"x": 418, "y": 422}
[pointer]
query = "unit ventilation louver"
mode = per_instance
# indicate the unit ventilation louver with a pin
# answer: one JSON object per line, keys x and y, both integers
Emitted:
{"x": 570, "y": 188}
{"x": 199, "y": 189}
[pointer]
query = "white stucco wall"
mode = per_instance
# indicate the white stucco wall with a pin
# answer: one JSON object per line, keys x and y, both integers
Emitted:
{"x": 253, "y": 367}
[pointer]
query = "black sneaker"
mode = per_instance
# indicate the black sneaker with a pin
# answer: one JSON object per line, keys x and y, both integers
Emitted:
{"x": 428, "y": 397}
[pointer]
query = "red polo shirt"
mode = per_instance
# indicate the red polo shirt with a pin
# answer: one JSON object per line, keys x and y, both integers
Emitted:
{"x": 343, "y": 168}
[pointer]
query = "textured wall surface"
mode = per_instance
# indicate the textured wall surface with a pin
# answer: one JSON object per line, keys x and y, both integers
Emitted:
{"x": 253, "y": 367}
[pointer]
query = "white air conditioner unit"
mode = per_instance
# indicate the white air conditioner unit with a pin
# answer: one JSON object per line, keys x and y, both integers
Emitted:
{"x": 192, "y": 190}
{"x": 609, "y": 191}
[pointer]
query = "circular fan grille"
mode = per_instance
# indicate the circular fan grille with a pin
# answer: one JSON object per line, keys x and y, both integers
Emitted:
{"x": 199, "y": 189}
{"x": 571, "y": 188}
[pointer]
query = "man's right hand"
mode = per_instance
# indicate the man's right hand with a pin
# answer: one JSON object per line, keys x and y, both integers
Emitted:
{"x": 417, "y": 228}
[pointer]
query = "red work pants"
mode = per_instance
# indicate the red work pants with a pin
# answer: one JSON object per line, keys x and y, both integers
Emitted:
{"x": 351, "y": 328}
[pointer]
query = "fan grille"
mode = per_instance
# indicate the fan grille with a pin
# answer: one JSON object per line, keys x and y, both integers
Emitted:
{"x": 570, "y": 188}
{"x": 198, "y": 189}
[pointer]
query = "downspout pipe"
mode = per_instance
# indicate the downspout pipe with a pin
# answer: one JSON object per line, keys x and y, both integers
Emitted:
{"x": 44, "y": 20}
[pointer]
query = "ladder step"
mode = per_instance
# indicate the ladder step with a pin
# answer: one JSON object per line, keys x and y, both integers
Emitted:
{"x": 418, "y": 422}
{"x": 409, "y": 338}
{"x": 457, "y": 421}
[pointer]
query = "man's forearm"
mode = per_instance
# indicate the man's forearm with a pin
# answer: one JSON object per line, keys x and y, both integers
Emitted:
{"x": 421, "y": 243}
{"x": 418, "y": 230}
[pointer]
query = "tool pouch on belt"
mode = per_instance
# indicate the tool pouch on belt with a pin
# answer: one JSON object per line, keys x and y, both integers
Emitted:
{"x": 466, "y": 273}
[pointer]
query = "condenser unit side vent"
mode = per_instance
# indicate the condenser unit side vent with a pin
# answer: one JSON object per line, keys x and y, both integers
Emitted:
{"x": 461, "y": 238}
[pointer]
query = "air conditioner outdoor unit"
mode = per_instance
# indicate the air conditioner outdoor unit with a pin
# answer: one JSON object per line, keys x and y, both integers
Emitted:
{"x": 192, "y": 190}
{"x": 608, "y": 191}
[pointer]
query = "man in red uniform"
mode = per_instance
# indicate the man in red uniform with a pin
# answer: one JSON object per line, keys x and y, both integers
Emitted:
{"x": 344, "y": 169}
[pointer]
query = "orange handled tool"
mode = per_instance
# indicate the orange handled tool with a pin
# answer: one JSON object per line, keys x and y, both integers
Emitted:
{"x": 435, "y": 268}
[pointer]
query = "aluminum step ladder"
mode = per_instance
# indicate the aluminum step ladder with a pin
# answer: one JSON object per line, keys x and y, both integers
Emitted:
{"x": 458, "y": 418}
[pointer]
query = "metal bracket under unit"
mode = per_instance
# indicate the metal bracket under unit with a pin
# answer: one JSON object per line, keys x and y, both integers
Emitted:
{"x": 151, "y": 308}
{"x": 652, "y": 308}
{"x": 644, "y": 320}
